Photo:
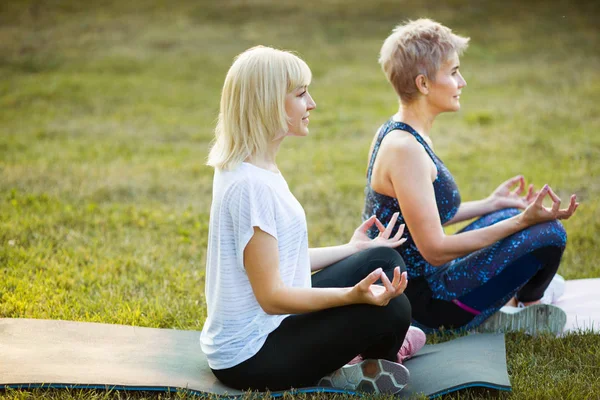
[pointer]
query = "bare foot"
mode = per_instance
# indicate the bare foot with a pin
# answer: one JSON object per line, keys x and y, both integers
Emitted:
{"x": 512, "y": 302}
{"x": 530, "y": 303}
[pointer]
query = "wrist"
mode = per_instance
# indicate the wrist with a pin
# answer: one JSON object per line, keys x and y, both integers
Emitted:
{"x": 351, "y": 248}
{"x": 350, "y": 296}
{"x": 521, "y": 222}
{"x": 489, "y": 205}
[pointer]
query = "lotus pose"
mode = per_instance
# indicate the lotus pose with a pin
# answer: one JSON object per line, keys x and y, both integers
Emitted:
{"x": 270, "y": 324}
{"x": 505, "y": 256}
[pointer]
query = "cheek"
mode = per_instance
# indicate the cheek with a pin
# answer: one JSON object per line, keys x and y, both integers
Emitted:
{"x": 296, "y": 107}
{"x": 303, "y": 104}
{"x": 450, "y": 84}
{"x": 445, "y": 86}
{"x": 450, "y": 88}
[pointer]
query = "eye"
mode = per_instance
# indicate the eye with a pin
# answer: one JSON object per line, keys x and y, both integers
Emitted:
{"x": 302, "y": 94}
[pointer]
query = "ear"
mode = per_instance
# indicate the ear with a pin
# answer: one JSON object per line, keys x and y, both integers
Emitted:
{"x": 422, "y": 84}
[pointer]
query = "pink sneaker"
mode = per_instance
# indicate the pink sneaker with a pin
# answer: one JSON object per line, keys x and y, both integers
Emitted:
{"x": 413, "y": 342}
{"x": 356, "y": 360}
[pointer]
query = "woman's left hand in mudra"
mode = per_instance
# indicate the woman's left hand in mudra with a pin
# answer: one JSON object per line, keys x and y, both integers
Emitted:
{"x": 506, "y": 197}
{"x": 361, "y": 241}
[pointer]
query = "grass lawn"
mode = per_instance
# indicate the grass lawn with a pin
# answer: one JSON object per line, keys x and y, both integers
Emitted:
{"x": 107, "y": 110}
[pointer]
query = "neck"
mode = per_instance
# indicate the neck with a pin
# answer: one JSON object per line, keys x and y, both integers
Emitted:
{"x": 267, "y": 160}
{"x": 417, "y": 115}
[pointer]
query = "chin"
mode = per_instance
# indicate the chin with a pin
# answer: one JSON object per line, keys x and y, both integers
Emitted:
{"x": 455, "y": 108}
{"x": 300, "y": 134}
{"x": 451, "y": 109}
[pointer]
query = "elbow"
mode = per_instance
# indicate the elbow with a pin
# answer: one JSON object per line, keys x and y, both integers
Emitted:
{"x": 271, "y": 310}
{"x": 434, "y": 257}
{"x": 435, "y": 261}
{"x": 270, "y": 306}
{"x": 274, "y": 299}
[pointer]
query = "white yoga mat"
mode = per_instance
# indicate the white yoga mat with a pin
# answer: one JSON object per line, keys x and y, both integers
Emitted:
{"x": 581, "y": 302}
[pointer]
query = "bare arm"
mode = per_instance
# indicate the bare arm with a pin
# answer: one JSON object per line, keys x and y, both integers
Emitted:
{"x": 261, "y": 261}
{"x": 411, "y": 180}
{"x": 322, "y": 257}
{"x": 502, "y": 197}
{"x": 471, "y": 209}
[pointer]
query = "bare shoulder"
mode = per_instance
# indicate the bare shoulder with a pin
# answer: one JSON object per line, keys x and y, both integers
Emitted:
{"x": 400, "y": 145}
{"x": 403, "y": 153}
{"x": 400, "y": 153}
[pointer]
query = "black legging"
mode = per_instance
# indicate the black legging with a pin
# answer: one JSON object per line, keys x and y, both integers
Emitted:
{"x": 306, "y": 347}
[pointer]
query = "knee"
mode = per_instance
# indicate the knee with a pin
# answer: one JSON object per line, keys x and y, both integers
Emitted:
{"x": 555, "y": 233}
{"x": 389, "y": 258}
{"x": 398, "y": 312}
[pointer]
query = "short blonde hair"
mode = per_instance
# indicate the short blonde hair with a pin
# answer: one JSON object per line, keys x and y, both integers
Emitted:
{"x": 415, "y": 48}
{"x": 252, "y": 112}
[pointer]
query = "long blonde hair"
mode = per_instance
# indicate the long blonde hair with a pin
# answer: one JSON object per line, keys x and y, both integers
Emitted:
{"x": 252, "y": 112}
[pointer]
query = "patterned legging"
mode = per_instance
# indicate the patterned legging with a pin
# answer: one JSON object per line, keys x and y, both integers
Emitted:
{"x": 521, "y": 265}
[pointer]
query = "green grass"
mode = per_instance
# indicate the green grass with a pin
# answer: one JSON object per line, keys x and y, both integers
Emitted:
{"x": 107, "y": 110}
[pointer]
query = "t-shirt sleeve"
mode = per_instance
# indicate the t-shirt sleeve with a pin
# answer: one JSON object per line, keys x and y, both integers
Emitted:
{"x": 250, "y": 204}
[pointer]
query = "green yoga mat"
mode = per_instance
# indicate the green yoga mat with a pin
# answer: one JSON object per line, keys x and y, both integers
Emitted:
{"x": 49, "y": 353}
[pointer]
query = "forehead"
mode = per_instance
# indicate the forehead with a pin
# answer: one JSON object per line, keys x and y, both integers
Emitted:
{"x": 452, "y": 60}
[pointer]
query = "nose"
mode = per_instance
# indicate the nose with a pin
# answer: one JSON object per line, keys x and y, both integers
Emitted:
{"x": 311, "y": 105}
{"x": 462, "y": 82}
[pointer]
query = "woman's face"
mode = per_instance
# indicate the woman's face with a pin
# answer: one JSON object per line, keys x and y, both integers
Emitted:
{"x": 298, "y": 103}
{"x": 444, "y": 93}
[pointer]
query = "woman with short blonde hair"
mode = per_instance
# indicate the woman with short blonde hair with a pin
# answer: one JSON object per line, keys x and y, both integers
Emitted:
{"x": 271, "y": 325}
{"x": 506, "y": 256}
{"x": 417, "y": 48}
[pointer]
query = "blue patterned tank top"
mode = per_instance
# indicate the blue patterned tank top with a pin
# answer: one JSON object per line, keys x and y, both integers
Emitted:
{"x": 447, "y": 198}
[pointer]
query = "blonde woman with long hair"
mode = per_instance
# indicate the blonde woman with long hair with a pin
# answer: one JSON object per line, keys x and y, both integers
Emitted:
{"x": 271, "y": 325}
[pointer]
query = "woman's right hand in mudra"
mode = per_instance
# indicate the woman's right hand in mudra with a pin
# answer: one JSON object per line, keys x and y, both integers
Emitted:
{"x": 367, "y": 292}
{"x": 536, "y": 213}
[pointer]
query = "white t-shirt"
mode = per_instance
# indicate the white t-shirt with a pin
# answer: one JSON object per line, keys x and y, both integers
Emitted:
{"x": 236, "y": 326}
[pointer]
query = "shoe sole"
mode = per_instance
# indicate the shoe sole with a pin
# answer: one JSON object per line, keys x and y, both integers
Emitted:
{"x": 534, "y": 319}
{"x": 369, "y": 376}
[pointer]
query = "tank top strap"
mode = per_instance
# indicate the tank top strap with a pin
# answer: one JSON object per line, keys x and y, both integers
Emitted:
{"x": 383, "y": 131}
{"x": 386, "y": 128}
